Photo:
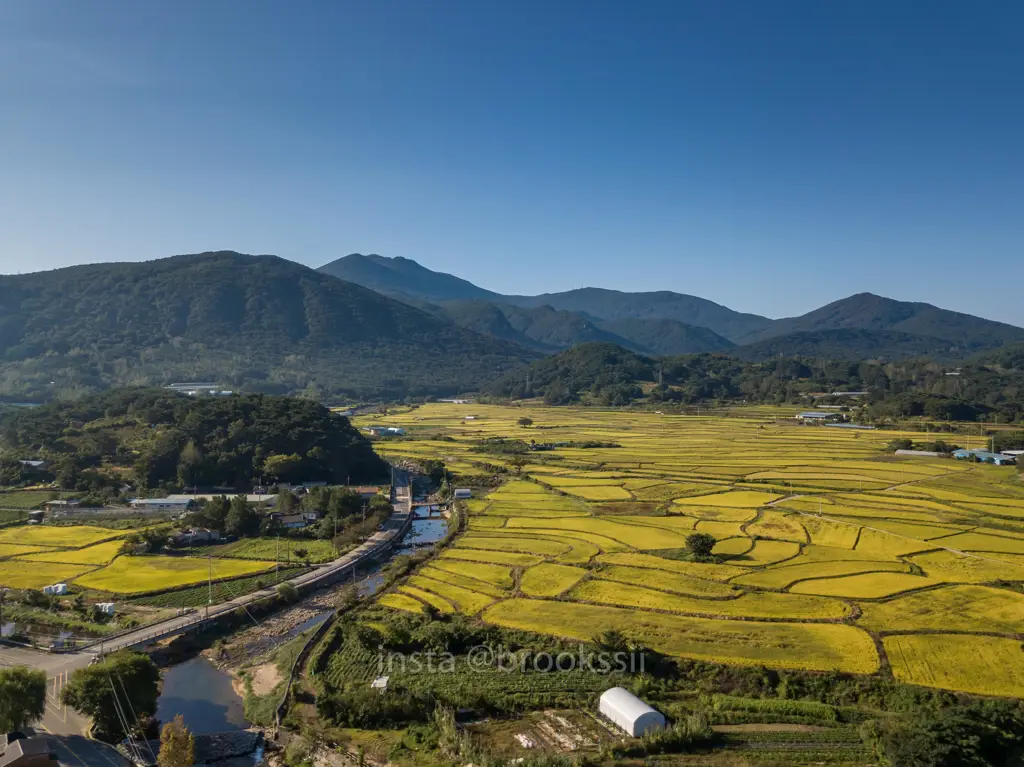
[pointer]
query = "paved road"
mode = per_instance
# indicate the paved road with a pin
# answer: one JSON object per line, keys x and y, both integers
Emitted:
{"x": 59, "y": 666}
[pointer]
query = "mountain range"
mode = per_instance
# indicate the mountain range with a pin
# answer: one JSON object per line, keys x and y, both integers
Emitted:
{"x": 662, "y": 322}
{"x": 369, "y": 326}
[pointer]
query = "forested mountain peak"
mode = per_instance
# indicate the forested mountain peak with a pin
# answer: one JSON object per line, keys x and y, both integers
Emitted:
{"x": 403, "y": 278}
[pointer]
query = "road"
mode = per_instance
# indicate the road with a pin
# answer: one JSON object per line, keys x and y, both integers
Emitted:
{"x": 60, "y": 720}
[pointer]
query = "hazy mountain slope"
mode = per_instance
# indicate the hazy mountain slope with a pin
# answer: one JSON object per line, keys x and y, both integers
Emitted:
{"x": 256, "y": 322}
{"x": 603, "y": 304}
{"x": 655, "y": 336}
{"x": 866, "y": 311}
{"x": 403, "y": 278}
{"x": 851, "y": 344}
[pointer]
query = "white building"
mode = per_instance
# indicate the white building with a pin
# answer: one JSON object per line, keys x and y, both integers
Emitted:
{"x": 627, "y": 711}
{"x": 107, "y": 608}
{"x": 161, "y": 504}
{"x": 56, "y": 590}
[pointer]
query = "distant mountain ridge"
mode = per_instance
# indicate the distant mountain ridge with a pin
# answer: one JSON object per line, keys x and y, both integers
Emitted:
{"x": 663, "y": 322}
{"x": 258, "y": 322}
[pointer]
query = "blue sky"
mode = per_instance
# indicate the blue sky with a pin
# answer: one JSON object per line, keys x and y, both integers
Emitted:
{"x": 771, "y": 156}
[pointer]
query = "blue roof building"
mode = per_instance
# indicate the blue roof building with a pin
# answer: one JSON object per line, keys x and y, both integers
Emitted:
{"x": 985, "y": 456}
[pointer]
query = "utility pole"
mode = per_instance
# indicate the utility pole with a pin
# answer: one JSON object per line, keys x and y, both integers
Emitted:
{"x": 277, "y": 560}
{"x": 209, "y": 598}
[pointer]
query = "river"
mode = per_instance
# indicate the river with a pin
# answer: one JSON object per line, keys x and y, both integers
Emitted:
{"x": 203, "y": 694}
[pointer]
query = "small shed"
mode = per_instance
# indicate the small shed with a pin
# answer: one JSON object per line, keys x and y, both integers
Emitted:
{"x": 56, "y": 590}
{"x": 627, "y": 711}
{"x": 107, "y": 608}
{"x": 463, "y": 493}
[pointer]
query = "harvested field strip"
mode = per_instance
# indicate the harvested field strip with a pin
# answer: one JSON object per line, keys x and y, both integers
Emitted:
{"x": 760, "y": 604}
{"x": 785, "y": 575}
{"x": 954, "y": 608}
{"x": 465, "y": 601}
{"x": 509, "y": 558}
{"x": 549, "y": 580}
{"x": 712, "y": 572}
{"x": 496, "y": 575}
{"x": 866, "y": 585}
{"x": 937, "y": 660}
{"x": 815, "y": 646}
{"x": 775, "y": 524}
{"x": 442, "y": 605}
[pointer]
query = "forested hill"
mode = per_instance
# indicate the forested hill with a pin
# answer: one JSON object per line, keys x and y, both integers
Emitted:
{"x": 161, "y": 439}
{"x": 254, "y": 322}
{"x": 610, "y": 375}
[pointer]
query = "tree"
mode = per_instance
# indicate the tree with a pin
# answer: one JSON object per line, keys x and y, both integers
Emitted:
{"x": 287, "y": 592}
{"x": 189, "y": 463}
{"x": 91, "y": 691}
{"x": 214, "y": 513}
{"x": 285, "y": 468}
{"x": 242, "y": 520}
{"x": 301, "y": 553}
{"x": 525, "y": 421}
{"x": 22, "y": 697}
{"x": 177, "y": 745}
{"x": 700, "y": 544}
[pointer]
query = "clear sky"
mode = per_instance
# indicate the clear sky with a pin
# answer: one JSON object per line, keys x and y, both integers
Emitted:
{"x": 768, "y": 155}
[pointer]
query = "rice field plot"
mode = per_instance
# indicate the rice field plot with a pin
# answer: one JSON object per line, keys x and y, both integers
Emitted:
{"x": 36, "y": 575}
{"x": 814, "y": 646}
{"x": 763, "y": 552}
{"x": 667, "y": 491}
{"x": 716, "y": 514}
{"x": 777, "y": 525}
{"x": 24, "y": 499}
{"x": 733, "y": 547}
{"x": 496, "y": 575}
{"x": 678, "y": 583}
{"x": 436, "y": 573}
{"x": 785, "y": 575}
{"x": 151, "y": 573}
{"x": 741, "y": 499}
{"x": 8, "y": 550}
{"x": 954, "y": 608}
{"x": 720, "y": 530}
{"x": 63, "y": 536}
{"x": 97, "y": 554}
{"x": 510, "y": 558}
{"x": 522, "y": 544}
{"x": 549, "y": 580}
{"x": 981, "y": 665}
{"x": 881, "y": 544}
{"x": 402, "y": 602}
{"x": 465, "y": 600}
{"x": 872, "y": 585}
{"x": 440, "y": 604}
{"x": 824, "y": 532}
{"x": 1016, "y": 510}
{"x": 713, "y": 572}
{"x": 966, "y": 568}
{"x": 600, "y": 492}
{"x": 758, "y": 604}
{"x": 917, "y": 531}
{"x": 627, "y": 535}
{"x": 982, "y": 542}
{"x": 485, "y": 523}
{"x": 283, "y": 550}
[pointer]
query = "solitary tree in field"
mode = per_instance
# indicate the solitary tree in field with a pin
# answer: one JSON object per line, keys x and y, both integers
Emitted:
{"x": 700, "y": 544}
{"x": 524, "y": 422}
{"x": 22, "y": 697}
{"x": 177, "y": 745}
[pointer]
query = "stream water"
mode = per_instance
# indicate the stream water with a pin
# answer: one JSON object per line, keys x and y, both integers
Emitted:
{"x": 202, "y": 693}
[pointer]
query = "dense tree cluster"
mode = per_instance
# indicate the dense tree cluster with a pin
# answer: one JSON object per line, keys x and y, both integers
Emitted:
{"x": 986, "y": 388}
{"x": 172, "y": 441}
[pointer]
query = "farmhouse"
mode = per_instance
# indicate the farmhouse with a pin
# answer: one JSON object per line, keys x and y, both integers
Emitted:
{"x": 627, "y": 711}
{"x": 56, "y": 590}
{"x": 196, "y": 535}
{"x": 60, "y": 505}
{"x": 385, "y": 431}
{"x": 985, "y": 456}
{"x": 818, "y": 416}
